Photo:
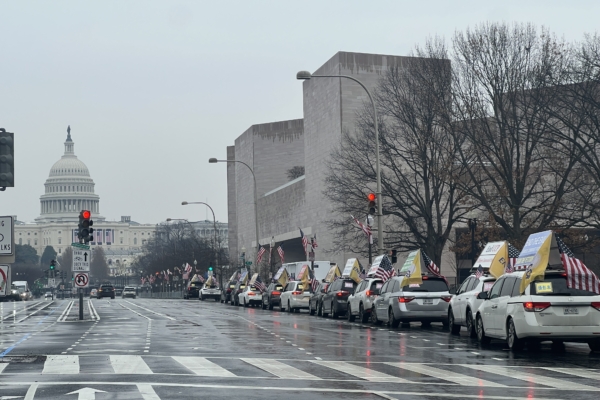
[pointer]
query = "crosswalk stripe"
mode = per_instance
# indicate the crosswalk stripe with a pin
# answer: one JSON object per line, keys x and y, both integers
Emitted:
{"x": 530, "y": 378}
{"x": 147, "y": 391}
{"x": 446, "y": 375}
{"x": 129, "y": 365}
{"x": 580, "y": 372}
{"x": 2, "y": 366}
{"x": 61, "y": 365}
{"x": 279, "y": 369}
{"x": 360, "y": 372}
{"x": 202, "y": 367}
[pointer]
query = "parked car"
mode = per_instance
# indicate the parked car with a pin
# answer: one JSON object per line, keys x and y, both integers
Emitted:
{"x": 464, "y": 303}
{"x": 294, "y": 297}
{"x": 211, "y": 291}
{"x": 335, "y": 300}
{"x": 426, "y": 302}
{"x": 250, "y": 296}
{"x": 106, "y": 291}
{"x": 548, "y": 311}
{"x": 315, "y": 304}
{"x": 271, "y": 297}
{"x": 129, "y": 291}
{"x": 361, "y": 301}
{"x": 238, "y": 288}
{"x": 94, "y": 294}
{"x": 226, "y": 294}
{"x": 193, "y": 290}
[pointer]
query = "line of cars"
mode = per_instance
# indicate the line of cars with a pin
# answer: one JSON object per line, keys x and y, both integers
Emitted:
{"x": 489, "y": 308}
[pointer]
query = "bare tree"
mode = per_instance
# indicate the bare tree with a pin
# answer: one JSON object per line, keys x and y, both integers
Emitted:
{"x": 295, "y": 172}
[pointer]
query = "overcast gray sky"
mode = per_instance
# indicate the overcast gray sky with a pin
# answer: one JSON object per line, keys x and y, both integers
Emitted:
{"x": 152, "y": 89}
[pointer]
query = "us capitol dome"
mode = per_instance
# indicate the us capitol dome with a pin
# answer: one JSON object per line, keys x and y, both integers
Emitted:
{"x": 68, "y": 189}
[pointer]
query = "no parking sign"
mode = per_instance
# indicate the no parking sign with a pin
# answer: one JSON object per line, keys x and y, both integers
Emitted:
{"x": 82, "y": 280}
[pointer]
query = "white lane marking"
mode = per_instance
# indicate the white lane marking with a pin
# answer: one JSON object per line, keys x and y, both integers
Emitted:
{"x": 279, "y": 369}
{"x": 202, "y": 367}
{"x": 385, "y": 396}
{"x": 2, "y": 366}
{"x": 149, "y": 310}
{"x": 133, "y": 311}
{"x": 34, "y": 312}
{"x": 64, "y": 314}
{"x": 446, "y": 375}
{"x": 360, "y": 372}
{"x": 93, "y": 311}
{"x": 147, "y": 391}
{"x": 31, "y": 391}
{"x": 474, "y": 352}
{"x": 580, "y": 372}
{"x": 129, "y": 365}
{"x": 536, "y": 379}
{"x": 61, "y": 365}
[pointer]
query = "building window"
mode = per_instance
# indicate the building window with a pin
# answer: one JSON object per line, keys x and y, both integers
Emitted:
{"x": 29, "y": 242}
{"x": 59, "y": 240}
{"x": 59, "y": 250}
{"x": 28, "y": 233}
{"x": 59, "y": 232}
{"x": 121, "y": 240}
{"x": 35, "y": 234}
{"x": 35, "y": 242}
{"x": 134, "y": 240}
{"x": 20, "y": 241}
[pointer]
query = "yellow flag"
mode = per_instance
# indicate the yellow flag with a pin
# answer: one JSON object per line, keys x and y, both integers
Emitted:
{"x": 534, "y": 257}
{"x": 411, "y": 269}
{"x": 352, "y": 270}
{"x": 283, "y": 278}
{"x": 253, "y": 279}
{"x": 303, "y": 277}
{"x": 333, "y": 272}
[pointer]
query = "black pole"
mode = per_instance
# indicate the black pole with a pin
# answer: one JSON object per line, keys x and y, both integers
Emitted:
{"x": 472, "y": 226}
{"x": 80, "y": 304}
{"x": 370, "y": 256}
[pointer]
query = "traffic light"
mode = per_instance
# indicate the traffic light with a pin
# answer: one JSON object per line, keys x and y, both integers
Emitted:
{"x": 210, "y": 268}
{"x": 52, "y": 265}
{"x": 85, "y": 232}
{"x": 372, "y": 203}
{"x": 7, "y": 159}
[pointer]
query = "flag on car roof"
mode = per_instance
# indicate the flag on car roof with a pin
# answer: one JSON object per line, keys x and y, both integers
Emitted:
{"x": 384, "y": 270}
{"x": 259, "y": 254}
{"x": 513, "y": 254}
{"x": 479, "y": 272}
{"x": 259, "y": 284}
{"x": 430, "y": 265}
{"x": 578, "y": 275}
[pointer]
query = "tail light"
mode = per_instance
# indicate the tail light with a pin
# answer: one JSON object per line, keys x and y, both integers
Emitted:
{"x": 275, "y": 293}
{"x": 596, "y": 305}
{"x": 536, "y": 306}
{"x": 369, "y": 293}
{"x": 228, "y": 290}
{"x": 405, "y": 299}
{"x": 296, "y": 292}
{"x": 250, "y": 293}
{"x": 424, "y": 278}
{"x": 342, "y": 293}
{"x": 447, "y": 298}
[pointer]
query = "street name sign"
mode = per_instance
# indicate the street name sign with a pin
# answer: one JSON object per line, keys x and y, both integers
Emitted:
{"x": 81, "y": 257}
{"x": 82, "y": 280}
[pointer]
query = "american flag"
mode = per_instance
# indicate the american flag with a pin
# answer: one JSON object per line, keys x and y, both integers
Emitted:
{"x": 188, "y": 268}
{"x": 281, "y": 254}
{"x": 434, "y": 269}
{"x": 259, "y": 255}
{"x": 385, "y": 270}
{"x": 152, "y": 279}
{"x": 365, "y": 228}
{"x": 578, "y": 275}
{"x": 304, "y": 240}
{"x": 313, "y": 242}
{"x": 479, "y": 272}
{"x": 313, "y": 281}
{"x": 513, "y": 254}
{"x": 259, "y": 284}
{"x": 201, "y": 278}
{"x": 362, "y": 275}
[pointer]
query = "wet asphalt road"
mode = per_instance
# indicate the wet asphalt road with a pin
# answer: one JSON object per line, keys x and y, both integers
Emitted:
{"x": 178, "y": 349}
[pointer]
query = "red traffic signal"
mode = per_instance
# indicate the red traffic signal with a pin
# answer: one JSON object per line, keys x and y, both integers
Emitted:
{"x": 371, "y": 197}
{"x": 86, "y": 214}
{"x": 371, "y": 209}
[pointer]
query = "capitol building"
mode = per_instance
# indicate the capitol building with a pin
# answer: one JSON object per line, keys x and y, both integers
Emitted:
{"x": 70, "y": 189}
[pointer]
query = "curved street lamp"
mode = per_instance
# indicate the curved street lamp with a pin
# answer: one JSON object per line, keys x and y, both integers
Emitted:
{"x": 185, "y": 203}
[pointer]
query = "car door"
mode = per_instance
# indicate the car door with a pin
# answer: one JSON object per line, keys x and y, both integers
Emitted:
{"x": 329, "y": 296}
{"x": 458, "y": 308}
{"x": 489, "y": 314}
{"x": 383, "y": 301}
{"x": 499, "y": 313}
{"x": 355, "y": 298}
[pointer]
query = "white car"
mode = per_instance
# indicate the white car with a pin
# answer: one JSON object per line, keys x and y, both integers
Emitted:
{"x": 361, "y": 302}
{"x": 464, "y": 303}
{"x": 250, "y": 296}
{"x": 547, "y": 311}
{"x": 48, "y": 295}
{"x": 210, "y": 292}
{"x": 294, "y": 297}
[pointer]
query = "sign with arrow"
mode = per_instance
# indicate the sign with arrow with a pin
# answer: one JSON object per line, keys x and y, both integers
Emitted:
{"x": 82, "y": 280}
{"x": 87, "y": 393}
{"x": 81, "y": 259}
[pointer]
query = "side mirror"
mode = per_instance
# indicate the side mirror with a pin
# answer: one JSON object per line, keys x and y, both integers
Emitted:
{"x": 482, "y": 296}
{"x": 453, "y": 290}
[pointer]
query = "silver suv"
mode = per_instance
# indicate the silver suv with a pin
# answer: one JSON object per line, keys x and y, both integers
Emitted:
{"x": 464, "y": 304}
{"x": 129, "y": 292}
{"x": 361, "y": 302}
{"x": 426, "y": 302}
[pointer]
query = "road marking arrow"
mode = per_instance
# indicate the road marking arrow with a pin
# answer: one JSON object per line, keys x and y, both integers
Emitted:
{"x": 87, "y": 393}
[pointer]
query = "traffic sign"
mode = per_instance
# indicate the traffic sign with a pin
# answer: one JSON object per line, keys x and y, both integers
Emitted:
{"x": 6, "y": 236}
{"x": 82, "y": 280}
{"x": 81, "y": 259}
{"x": 4, "y": 280}
{"x": 51, "y": 282}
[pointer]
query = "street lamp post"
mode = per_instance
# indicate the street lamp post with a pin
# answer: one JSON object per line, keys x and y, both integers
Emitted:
{"x": 185, "y": 203}
{"x": 213, "y": 161}
{"x": 305, "y": 75}
{"x": 472, "y": 223}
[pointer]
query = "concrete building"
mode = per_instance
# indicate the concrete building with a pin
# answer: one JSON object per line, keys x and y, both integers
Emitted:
{"x": 284, "y": 205}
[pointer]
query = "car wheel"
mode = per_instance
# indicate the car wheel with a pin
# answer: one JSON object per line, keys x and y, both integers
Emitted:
{"x": 454, "y": 329}
{"x": 311, "y": 311}
{"x": 245, "y": 304}
{"x": 483, "y": 339}
{"x": 594, "y": 345}
{"x": 323, "y": 313}
{"x": 289, "y": 308}
{"x": 334, "y": 313}
{"x": 471, "y": 329}
{"x": 426, "y": 324}
{"x": 270, "y": 305}
{"x": 112, "y": 297}
{"x": 319, "y": 310}
{"x": 374, "y": 319}
{"x": 361, "y": 314}
{"x": 513, "y": 341}
{"x": 201, "y": 298}
{"x": 392, "y": 319}
{"x": 349, "y": 313}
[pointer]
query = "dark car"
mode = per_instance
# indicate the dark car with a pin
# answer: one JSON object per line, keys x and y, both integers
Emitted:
{"x": 226, "y": 293}
{"x": 106, "y": 291}
{"x": 315, "y": 304}
{"x": 193, "y": 290}
{"x": 335, "y": 300}
{"x": 271, "y": 297}
{"x": 239, "y": 288}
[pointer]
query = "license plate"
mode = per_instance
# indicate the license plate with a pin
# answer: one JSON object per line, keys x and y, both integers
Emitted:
{"x": 427, "y": 301}
{"x": 571, "y": 310}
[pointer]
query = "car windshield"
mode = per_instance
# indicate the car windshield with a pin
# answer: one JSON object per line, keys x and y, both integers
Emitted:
{"x": 556, "y": 285}
{"x": 428, "y": 285}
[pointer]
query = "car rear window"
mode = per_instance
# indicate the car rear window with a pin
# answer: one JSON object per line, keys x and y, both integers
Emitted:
{"x": 232, "y": 286}
{"x": 556, "y": 285}
{"x": 429, "y": 285}
{"x": 253, "y": 288}
{"x": 242, "y": 286}
{"x": 278, "y": 287}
